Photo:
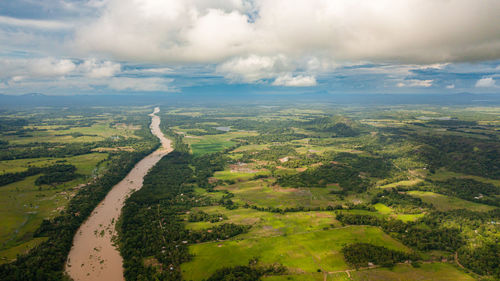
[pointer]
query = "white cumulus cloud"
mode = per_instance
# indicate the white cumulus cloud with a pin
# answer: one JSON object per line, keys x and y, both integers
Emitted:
{"x": 50, "y": 67}
{"x": 295, "y": 81}
{"x": 415, "y": 83}
{"x": 96, "y": 69}
{"x": 419, "y": 31}
{"x": 258, "y": 34}
{"x": 487, "y": 82}
{"x": 282, "y": 42}
{"x": 254, "y": 68}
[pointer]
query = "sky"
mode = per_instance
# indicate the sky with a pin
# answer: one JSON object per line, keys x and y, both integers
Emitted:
{"x": 66, "y": 47}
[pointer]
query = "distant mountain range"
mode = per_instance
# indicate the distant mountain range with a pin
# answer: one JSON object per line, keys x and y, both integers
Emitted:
{"x": 196, "y": 98}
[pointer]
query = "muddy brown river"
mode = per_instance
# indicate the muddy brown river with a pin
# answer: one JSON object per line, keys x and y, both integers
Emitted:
{"x": 93, "y": 255}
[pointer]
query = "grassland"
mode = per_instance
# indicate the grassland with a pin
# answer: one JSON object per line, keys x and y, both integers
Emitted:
{"x": 71, "y": 131}
{"x": 400, "y": 272}
{"x": 99, "y": 131}
{"x": 386, "y": 210}
{"x": 306, "y": 242}
{"x": 262, "y": 193}
{"x": 433, "y": 271}
{"x": 297, "y": 277}
{"x": 306, "y": 252}
{"x": 446, "y": 203}
{"x": 11, "y": 253}
{"x": 23, "y": 205}
{"x": 405, "y": 183}
{"x": 269, "y": 224}
{"x": 234, "y": 175}
{"x": 213, "y": 143}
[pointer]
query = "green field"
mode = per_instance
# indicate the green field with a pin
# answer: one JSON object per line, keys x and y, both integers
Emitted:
{"x": 357, "y": 160}
{"x": 23, "y": 205}
{"x": 445, "y": 203}
{"x": 405, "y": 183}
{"x": 251, "y": 147}
{"x": 297, "y": 277}
{"x": 11, "y": 253}
{"x": 306, "y": 242}
{"x": 385, "y": 210}
{"x": 401, "y": 272}
{"x": 97, "y": 132}
{"x": 232, "y": 175}
{"x": 433, "y": 271}
{"x": 306, "y": 252}
{"x": 443, "y": 175}
{"x": 213, "y": 143}
{"x": 85, "y": 163}
{"x": 269, "y": 224}
{"x": 262, "y": 193}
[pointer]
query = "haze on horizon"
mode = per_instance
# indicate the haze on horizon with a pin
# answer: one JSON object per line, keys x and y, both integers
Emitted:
{"x": 362, "y": 46}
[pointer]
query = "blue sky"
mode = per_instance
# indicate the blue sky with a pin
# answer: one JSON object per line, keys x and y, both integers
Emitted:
{"x": 336, "y": 46}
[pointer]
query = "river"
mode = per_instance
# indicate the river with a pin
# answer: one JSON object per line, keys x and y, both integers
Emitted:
{"x": 93, "y": 255}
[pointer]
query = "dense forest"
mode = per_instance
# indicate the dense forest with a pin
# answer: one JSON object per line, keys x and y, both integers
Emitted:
{"x": 464, "y": 155}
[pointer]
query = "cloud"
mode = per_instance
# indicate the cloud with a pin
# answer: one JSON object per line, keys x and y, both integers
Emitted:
{"x": 61, "y": 75}
{"x": 357, "y": 44}
{"x": 487, "y": 82}
{"x": 140, "y": 84}
{"x": 413, "y": 31}
{"x": 280, "y": 68}
{"x": 160, "y": 70}
{"x": 251, "y": 41}
{"x": 95, "y": 69}
{"x": 33, "y": 23}
{"x": 297, "y": 81}
{"x": 254, "y": 68}
{"x": 51, "y": 67}
{"x": 415, "y": 83}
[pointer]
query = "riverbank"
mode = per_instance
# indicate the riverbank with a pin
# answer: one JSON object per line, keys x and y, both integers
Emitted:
{"x": 93, "y": 255}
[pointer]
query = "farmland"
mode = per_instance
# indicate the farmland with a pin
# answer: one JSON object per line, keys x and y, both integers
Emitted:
{"x": 282, "y": 192}
{"x": 84, "y": 139}
{"x": 276, "y": 179}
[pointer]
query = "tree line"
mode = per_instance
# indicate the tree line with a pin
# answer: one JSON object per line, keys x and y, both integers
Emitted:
{"x": 362, "y": 254}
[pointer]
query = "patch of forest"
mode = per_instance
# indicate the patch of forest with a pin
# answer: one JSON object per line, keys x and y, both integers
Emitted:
{"x": 462, "y": 155}
{"x": 57, "y": 173}
{"x": 364, "y": 254}
{"x": 471, "y": 190}
{"x": 348, "y": 179}
{"x": 429, "y": 233}
{"x": 402, "y": 202}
